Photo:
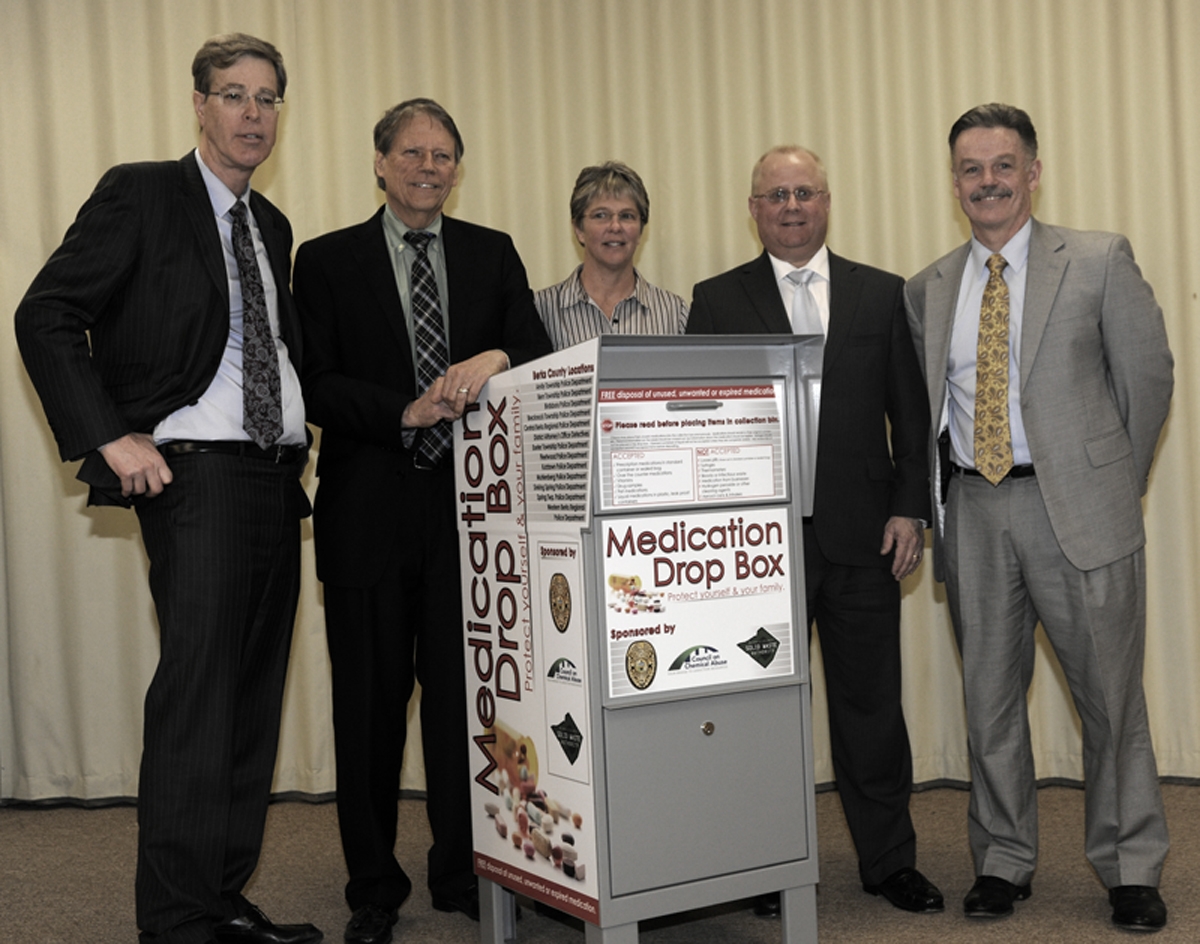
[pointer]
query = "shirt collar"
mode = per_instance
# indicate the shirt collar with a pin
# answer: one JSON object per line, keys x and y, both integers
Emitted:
{"x": 220, "y": 196}
{"x": 1015, "y": 251}
{"x": 396, "y": 228}
{"x": 819, "y": 263}
{"x": 575, "y": 294}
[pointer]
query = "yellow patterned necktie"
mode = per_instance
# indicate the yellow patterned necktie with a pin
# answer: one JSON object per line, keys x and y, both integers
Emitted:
{"x": 993, "y": 439}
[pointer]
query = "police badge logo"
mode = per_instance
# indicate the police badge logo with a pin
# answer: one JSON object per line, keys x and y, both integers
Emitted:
{"x": 560, "y": 602}
{"x": 641, "y": 662}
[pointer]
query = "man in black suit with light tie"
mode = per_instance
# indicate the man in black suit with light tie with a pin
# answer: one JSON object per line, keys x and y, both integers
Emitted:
{"x": 162, "y": 341}
{"x": 870, "y": 494}
{"x": 406, "y": 316}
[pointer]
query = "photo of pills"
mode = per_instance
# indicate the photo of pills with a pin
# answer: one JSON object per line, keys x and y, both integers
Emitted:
{"x": 625, "y": 595}
{"x": 540, "y": 826}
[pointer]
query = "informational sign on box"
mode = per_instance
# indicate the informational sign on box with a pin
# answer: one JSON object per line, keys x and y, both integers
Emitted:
{"x": 632, "y": 574}
{"x": 697, "y": 601}
{"x": 690, "y": 444}
{"x": 523, "y": 456}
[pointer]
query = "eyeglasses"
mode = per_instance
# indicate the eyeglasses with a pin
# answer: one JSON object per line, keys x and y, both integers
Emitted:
{"x": 604, "y": 217}
{"x": 416, "y": 155}
{"x": 780, "y": 195}
{"x": 237, "y": 99}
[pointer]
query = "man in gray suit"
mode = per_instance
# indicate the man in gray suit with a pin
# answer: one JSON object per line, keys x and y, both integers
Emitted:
{"x": 1040, "y": 465}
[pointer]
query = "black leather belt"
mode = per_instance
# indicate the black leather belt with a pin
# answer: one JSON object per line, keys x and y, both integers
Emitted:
{"x": 280, "y": 455}
{"x": 1016, "y": 472}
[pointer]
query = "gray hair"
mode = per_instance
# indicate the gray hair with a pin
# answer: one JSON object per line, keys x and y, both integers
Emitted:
{"x": 398, "y": 117}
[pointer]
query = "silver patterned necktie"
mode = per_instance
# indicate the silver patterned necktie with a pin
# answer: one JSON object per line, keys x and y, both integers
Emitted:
{"x": 262, "y": 404}
{"x": 429, "y": 333}
{"x": 806, "y": 317}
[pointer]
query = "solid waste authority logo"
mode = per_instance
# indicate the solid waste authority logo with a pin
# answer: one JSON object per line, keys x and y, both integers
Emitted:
{"x": 641, "y": 663}
{"x": 570, "y": 738}
{"x": 560, "y": 602}
{"x": 761, "y": 647}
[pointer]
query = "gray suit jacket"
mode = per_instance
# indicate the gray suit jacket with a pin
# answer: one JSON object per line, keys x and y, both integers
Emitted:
{"x": 1096, "y": 376}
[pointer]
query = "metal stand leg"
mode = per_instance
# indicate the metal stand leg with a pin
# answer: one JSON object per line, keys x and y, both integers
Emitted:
{"x": 497, "y": 914}
{"x": 799, "y": 915}
{"x": 621, "y": 934}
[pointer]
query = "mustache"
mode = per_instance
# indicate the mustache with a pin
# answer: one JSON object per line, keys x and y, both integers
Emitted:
{"x": 991, "y": 190}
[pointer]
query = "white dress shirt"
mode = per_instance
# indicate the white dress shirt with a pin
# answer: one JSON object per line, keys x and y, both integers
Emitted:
{"x": 964, "y": 346}
{"x": 819, "y": 286}
{"x": 217, "y": 415}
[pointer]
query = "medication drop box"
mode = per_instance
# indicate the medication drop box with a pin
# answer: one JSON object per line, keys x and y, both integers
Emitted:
{"x": 630, "y": 522}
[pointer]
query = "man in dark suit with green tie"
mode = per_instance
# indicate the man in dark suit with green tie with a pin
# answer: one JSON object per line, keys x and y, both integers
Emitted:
{"x": 406, "y": 316}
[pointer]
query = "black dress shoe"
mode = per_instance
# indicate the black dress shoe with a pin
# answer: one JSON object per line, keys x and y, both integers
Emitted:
{"x": 254, "y": 927}
{"x": 768, "y": 906}
{"x": 465, "y": 900}
{"x": 909, "y": 890}
{"x": 992, "y": 897}
{"x": 1137, "y": 908}
{"x": 371, "y": 924}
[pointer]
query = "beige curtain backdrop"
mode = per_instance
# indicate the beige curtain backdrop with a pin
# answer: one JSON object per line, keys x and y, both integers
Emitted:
{"x": 689, "y": 92}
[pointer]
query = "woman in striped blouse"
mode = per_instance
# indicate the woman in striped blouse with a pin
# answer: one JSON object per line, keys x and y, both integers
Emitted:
{"x": 606, "y": 294}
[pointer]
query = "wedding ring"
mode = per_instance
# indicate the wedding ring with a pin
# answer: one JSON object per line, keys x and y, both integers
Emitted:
{"x": 464, "y": 389}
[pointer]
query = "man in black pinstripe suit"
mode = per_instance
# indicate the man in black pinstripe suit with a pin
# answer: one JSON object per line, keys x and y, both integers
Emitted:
{"x": 132, "y": 334}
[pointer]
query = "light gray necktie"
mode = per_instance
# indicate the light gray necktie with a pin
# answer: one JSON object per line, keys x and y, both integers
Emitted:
{"x": 806, "y": 318}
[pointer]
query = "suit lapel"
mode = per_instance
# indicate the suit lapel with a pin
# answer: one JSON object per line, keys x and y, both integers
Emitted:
{"x": 844, "y": 291}
{"x": 370, "y": 251}
{"x": 199, "y": 211}
{"x": 273, "y": 239}
{"x": 941, "y": 298}
{"x": 1047, "y": 265}
{"x": 456, "y": 247}
{"x": 758, "y": 280}
{"x": 276, "y": 242}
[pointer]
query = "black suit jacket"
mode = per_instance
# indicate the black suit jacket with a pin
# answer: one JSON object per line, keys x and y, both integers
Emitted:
{"x": 141, "y": 270}
{"x": 874, "y": 418}
{"x": 359, "y": 374}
